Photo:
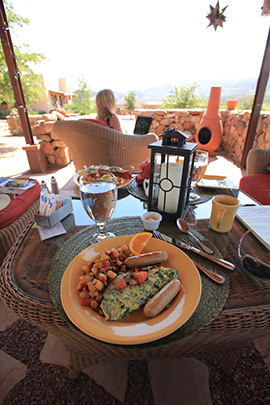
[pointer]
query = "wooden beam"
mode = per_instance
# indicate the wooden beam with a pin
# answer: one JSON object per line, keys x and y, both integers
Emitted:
{"x": 14, "y": 75}
{"x": 257, "y": 102}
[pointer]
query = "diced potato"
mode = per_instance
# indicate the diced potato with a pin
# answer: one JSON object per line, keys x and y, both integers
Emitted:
{"x": 93, "y": 304}
{"x": 84, "y": 294}
{"x": 99, "y": 272}
{"x": 124, "y": 250}
{"x": 80, "y": 285}
{"x": 98, "y": 284}
{"x": 102, "y": 277}
{"x": 91, "y": 286}
{"x": 88, "y": 277}
{"x": 85, "y": 268}
{"x": 104, "y": 256}
{"x": 111, "y": 274}
{"x": 93, "y": 294}
{"x": 114, "y": 253}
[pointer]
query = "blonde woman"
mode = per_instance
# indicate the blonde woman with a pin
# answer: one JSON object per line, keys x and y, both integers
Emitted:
{"x": 105, "y": 106}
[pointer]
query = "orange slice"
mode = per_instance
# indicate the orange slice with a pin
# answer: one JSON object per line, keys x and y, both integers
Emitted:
{"x": 138, "y": 242}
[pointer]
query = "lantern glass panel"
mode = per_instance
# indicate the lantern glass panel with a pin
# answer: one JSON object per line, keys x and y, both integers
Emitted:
{"x": 170, "y": 179}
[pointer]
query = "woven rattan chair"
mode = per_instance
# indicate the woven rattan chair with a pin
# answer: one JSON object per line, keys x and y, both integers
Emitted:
{"x": 257, "y": 161}
{"x": 257, "y": 181}
{"x": 93, "y": 144}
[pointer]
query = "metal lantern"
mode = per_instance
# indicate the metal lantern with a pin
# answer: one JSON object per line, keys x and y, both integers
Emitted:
{"x": 172, "y": 160}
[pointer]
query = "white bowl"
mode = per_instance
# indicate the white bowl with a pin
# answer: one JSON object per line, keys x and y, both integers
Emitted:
{"x": 151, "y": 220}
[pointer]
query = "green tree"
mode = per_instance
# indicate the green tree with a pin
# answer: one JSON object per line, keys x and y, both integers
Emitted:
{"x": 184, "y": 97}
{"x": 246, "y": 103}
{"x": 130, "y": 100}
{"x": 83, "y": 102}
{"x": 32, "y": 83}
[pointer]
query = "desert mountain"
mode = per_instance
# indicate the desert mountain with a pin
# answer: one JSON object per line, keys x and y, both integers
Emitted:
{"x": 229, "y": 89}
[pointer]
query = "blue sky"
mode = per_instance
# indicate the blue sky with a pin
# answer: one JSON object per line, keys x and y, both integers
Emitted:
{"x": 132, "y": 45}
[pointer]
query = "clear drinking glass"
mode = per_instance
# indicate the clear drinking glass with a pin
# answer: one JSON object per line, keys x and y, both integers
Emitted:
{"x": 199, "y": 168}
{"x": 98, "y": 196}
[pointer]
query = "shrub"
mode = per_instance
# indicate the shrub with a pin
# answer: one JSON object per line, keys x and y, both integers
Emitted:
{"x": 184, "y": 97}
{"x": 80, "y": 109}
{"x": 4, "y": 114}
{"x": 245, "y": 103}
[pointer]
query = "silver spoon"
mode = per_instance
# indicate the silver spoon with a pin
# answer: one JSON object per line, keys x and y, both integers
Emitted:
{"x": 183, "y": 226}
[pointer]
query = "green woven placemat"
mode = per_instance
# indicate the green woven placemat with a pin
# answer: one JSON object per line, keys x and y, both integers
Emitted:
{"x": 136, "y": 190}
{"x": 213, "y": 296}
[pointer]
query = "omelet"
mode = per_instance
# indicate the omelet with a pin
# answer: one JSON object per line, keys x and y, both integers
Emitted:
{"x": 117, "y": 304}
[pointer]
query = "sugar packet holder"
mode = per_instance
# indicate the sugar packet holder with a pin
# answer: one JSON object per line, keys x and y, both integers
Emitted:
{"x": 47, "y": 203}
{"x": 50, "y": 202}
{"x": 56, "y": 208}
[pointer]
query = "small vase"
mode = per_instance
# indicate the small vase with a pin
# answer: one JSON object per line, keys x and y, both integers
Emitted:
{"x": 231, "y": 104}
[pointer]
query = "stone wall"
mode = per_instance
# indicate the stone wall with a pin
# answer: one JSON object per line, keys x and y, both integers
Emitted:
{"x": 235, "y": 126}
{"x": 55, "y": 151}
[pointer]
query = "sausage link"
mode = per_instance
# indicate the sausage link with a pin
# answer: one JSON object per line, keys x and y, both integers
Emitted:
{"x": 162, "y": 298}
{"x": 146, "y": 259}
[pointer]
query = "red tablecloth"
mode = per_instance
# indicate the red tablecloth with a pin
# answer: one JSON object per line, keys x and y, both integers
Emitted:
{"x": 18, "y": 205}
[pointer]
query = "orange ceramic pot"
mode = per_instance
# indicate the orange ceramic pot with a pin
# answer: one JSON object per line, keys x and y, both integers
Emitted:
{"x": 210, "y": 130}
{"x": 231, "y": 104}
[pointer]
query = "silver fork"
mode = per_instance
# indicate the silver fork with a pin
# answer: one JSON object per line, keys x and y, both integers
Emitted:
{"x": 218, "y": 278}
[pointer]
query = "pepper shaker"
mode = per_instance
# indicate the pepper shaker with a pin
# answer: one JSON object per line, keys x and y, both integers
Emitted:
{"x": 54, "y": 185}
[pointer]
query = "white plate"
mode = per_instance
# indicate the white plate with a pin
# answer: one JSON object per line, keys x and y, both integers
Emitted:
{"x": 123, "y": 182}
{"x": 221, "y": 182}
{"x": 4, "y": 201}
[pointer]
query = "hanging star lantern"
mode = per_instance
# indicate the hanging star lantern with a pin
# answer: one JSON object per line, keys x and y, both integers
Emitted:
{"x": 216, "y": 17}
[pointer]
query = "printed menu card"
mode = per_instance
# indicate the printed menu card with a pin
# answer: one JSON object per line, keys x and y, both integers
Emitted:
{"x": 257, "y": 219}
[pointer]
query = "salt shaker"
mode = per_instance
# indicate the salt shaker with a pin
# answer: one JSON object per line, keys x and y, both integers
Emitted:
{"x": 54, "y": 186}
{"x": 44, "y": 187}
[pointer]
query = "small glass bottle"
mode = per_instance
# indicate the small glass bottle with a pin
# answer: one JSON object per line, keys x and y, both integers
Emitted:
{"x": 44, "y": 187}
{"x": 54, "y": 185}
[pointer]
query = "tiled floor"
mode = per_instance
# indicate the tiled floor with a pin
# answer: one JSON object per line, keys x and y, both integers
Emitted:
{"x": 165, "y": 374}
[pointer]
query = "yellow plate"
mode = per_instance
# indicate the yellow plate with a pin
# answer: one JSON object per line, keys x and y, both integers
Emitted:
{"x": 124, "y": 182}
{"x": 135, "y": 328}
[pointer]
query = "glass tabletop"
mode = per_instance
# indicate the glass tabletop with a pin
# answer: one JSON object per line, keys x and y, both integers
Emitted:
{"x": 245, "y": 291}
{"x": 128, "y": 205}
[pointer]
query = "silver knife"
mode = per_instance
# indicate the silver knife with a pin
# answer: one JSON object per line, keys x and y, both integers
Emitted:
{"x": 218, "y": 278}
{"x": 221, "y": 262}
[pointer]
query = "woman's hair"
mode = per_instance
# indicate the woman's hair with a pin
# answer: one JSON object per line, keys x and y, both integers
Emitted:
{"x": 105, "y": 104}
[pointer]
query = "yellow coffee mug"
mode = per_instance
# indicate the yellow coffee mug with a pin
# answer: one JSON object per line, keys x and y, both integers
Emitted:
{"x": 224, "y": 208}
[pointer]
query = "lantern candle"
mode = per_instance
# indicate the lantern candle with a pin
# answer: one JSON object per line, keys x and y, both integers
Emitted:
{"x": 170, "y": 183}
{"x": 172, "y": 159}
